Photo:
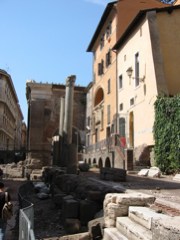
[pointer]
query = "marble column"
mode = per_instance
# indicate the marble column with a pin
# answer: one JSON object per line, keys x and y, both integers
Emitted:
{"x": 68, "y": 118}
{"x": 61, "y": 116}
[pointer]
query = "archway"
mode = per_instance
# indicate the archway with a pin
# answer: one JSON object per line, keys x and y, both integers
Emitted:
{"x": 99, "y": 97}
{"x": 107, "y": 163}
{"x": 100, "y": 163}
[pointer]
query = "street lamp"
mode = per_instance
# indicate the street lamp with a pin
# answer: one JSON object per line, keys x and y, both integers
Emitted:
{"x": 129, "y": 73}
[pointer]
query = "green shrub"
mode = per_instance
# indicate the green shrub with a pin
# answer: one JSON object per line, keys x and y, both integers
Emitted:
{"x": 167, "y": 133}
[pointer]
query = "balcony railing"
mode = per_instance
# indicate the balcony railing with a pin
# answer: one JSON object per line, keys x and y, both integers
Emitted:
{"x": 108, "y": 144}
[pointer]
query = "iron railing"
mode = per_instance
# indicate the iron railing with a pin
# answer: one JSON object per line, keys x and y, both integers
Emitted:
{"x": 108, "y": 143}
{"x": 26, "y": 221}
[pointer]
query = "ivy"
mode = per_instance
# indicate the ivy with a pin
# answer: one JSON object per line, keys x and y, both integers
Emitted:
{"x": 167, "y": 133}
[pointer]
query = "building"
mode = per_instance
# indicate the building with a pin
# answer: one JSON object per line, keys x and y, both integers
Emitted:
{"x": 146, "y": 64}
{"x": 177, "y": 2}
{"x": 44, "y": 120}
{"x": 10, "y": 119}
{"x": 106, "y": 147}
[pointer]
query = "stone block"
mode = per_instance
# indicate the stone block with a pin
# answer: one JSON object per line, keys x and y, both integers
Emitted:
{"x": 144, "y": 216}
{"x": 114, "y": 234}
{"x": 70, "y": 208}
{"x": 96, "y": 196}
{"x": 72, "y": 226}
{"x": 143, "y": 172}
{"x": 116, "y": 205}
{"x": 154, "y": 172}
{"x": 79, "y": 236}
{"x": 95, "y": 222}
{"x": 166, "y": 229}
{"x": 88, "y": 209}
{"x": 132, "y": 230}
{"x": 58, "y": 199}
{"x": 113, "y": 174}
{"x": 113, "y": 211}
{"x": 135, "y": 199}
{"x": 176, "y": 177}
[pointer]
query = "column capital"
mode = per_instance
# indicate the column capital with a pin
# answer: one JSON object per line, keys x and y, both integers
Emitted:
{"x": 70, "y": 81}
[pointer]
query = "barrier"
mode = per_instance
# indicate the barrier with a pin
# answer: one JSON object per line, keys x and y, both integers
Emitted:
{"x": 26, "y": 221}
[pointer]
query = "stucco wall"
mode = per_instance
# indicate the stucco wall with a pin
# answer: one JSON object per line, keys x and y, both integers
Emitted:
{"x": 144, "y": 95}
{"x": 169, "y": 35}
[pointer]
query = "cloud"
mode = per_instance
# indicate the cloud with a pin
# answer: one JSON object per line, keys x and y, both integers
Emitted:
{"x": 98, "y": 2}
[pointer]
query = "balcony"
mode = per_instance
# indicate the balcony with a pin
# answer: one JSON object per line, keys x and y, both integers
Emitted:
{"x": 107, "y": 144}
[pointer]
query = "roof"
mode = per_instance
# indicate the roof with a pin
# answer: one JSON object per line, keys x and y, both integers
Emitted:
{"x": 100, "y": 25}
{"x": 136, "y": 20}
{"x": 126, "y": 11}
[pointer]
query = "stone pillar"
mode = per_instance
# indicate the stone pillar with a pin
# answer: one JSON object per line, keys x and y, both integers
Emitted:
{"x": 61, "y": 117}
{"x": 69, "y": 150}
{"x": 61, "y": 160}
{"x": 68, "y": 118}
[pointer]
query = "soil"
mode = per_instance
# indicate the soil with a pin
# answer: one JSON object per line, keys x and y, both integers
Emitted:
{"x": 47, "y": 218}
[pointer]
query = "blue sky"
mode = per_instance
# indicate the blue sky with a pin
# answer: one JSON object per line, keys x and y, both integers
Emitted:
{"x": 46, "y": 40}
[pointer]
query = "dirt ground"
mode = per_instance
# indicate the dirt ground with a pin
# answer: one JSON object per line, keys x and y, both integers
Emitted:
{"x": 47, "y": 218}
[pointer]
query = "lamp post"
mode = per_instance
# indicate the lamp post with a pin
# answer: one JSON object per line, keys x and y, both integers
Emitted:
{"x": 129, "y": 72}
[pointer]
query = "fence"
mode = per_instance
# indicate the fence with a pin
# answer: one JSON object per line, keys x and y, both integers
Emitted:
{"x": 26, "y": 220}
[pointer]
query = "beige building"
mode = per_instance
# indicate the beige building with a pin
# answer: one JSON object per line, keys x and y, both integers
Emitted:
{"x": 106, "y": 148}
{"x": 146, "y": 64}
{"x": 10, "y": 119}
{"x": 177, "y": 2}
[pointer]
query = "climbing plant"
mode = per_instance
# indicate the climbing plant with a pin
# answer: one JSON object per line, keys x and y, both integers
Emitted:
{"x": 167, "y": 133}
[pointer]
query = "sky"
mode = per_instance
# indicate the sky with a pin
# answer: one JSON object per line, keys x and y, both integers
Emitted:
{"x": 46, "y": 40}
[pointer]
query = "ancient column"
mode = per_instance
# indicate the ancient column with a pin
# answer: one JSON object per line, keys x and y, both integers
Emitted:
{"x": 68, "y": 118}
{"x": 61, "y": 117}
{"x": 69, "y": 149}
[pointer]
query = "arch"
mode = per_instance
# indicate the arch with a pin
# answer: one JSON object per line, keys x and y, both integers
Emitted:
{"x": 100, "y": 163}
{"x": 99, "y": 97}
{"x": 85, "y": 160}
{"x": 108, "y": 162}
{"x": 94, "y": 161}
{"x": 89, "y": 161}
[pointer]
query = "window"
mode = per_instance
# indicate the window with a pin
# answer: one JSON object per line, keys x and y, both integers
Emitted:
{"x": 109, "y": 30}
{"x": 108, "y": 58}
{"x": 109, "y": 86}
{"x": 102, "y": 42}
{"x": 122, "y": 127}
{"x": 108, "y": 114}
{"x": 131, "y": 101}
{"x": 120, "y": 81}
{"x": 112, "y": 128}
{"x": 88, "y": 121}
{"x": 136, "y": 69}
{"x": 102, "y": 119}
{"x": 101, "y": 67}
{"x": 121, "y": 106}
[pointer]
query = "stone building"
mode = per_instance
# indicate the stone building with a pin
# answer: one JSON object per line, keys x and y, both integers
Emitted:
{"x": 44, "y": 120}
{"x": 11, "y": 119}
